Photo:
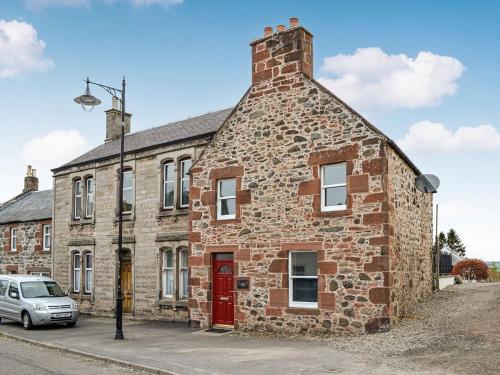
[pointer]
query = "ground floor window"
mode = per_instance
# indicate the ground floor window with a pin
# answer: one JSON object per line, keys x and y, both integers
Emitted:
{"x": 303, "y": 279}
{"x": 89, "y": 272}
{"x": 175, "y": 273}
{"x": 46, "y": 274}
{"x": 77, "y": 272}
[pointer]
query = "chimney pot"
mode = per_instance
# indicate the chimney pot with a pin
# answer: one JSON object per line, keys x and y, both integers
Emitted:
{"x": 281, "y": 27}
{"x": 294, "y": 22}
{"x": 30, "y": 181}
{"x": 268, "y": 30}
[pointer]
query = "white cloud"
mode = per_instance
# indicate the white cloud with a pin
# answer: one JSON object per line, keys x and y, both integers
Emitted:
{"x": 372, "y": 78}
{"x": 20, "y": 49}
{"x": 165, "y": 3}
{"x": 54, "y": 149}
{"x": 42, "y": 4}
{"x": 432, "y": 136}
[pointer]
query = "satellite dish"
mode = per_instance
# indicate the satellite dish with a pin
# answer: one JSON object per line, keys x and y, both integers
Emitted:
{"x": 427, "y": 183}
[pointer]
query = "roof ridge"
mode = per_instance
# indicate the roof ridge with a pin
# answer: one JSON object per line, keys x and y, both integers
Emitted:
{"x": 180, "y": 120}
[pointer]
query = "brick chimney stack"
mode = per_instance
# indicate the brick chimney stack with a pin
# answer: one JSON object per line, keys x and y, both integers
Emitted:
{"x": 114, "y": 120}
{"x": 279, "y": 55}
{"x": 31, "y": 180}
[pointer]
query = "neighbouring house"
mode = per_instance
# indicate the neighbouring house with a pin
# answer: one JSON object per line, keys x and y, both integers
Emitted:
{"x": 304, "y": 216}
{"x": 26, "y": 230}
{"x": 289, "y": 212}
{"x": 156, "y": 218}
{"x": 448, "y": 258}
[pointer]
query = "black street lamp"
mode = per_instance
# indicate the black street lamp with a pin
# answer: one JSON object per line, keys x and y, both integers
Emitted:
{"x": 88, "y": 101}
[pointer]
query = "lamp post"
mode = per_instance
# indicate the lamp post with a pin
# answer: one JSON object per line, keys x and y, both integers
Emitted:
{"x": 88, "y": 101}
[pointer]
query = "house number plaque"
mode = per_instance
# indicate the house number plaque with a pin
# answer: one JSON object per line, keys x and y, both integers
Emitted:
{"x": 243, "y": 283}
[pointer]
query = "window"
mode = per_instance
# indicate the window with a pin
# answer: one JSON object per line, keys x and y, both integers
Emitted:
{"x": 168, "y": 274}
{"x": 77, "y": 193}
{"x": 46, "y": 274}
{"x": 13, "y": 289}
{"x": 303, "y": 279}
{"x": 89, "y": 202}
{"x": 183, "y": 274}
{"x": 88, "y": 273}
{"x": 3, "y": 287}
{"x": 168, "y": 185}
{"x": 46, "y": 237}
{"x": 128, "y": 192}
{"x": 226, "y": 199}
{"x": 77, "y": 272}
{"x": 185, "y": 165}
{"x": 13, "y": 239}
{"x": 333, "y": 187}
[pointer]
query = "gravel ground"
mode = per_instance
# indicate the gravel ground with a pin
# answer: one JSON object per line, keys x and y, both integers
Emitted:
{"x": 456, "y": 330}
{"x": 17, "y": 358}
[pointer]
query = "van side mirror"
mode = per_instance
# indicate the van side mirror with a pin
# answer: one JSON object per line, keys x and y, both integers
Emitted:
{"x": 13, "y": 295}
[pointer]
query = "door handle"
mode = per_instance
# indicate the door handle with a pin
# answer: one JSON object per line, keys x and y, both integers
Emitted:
{"x": 224, "y": 298}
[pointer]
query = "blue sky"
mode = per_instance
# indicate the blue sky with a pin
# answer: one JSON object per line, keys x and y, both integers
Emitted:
{"x": 426, "y": 73}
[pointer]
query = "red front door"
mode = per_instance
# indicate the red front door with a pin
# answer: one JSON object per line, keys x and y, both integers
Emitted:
{"x": 223, "y": 304}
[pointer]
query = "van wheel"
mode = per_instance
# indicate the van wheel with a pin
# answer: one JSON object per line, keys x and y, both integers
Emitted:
{"x": 0, "y": 320}
{"x": 27, "y": 323}
{"x": 70, "y": 325}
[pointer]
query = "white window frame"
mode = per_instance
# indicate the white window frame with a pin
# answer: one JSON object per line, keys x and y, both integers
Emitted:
{"x": 89, "y": 181}
{"x": 182, "y": 269}
{"x": 87, "y": 287}
{"x": 220, "y": 199}
{"x": 184, "y": 180}
{"x": 166, "y": 182}
{"x": 325, "y": 208}
{"x": 47, "y": 237}
{"x": 130, "y": 188}
{"x": 77, "y": 271}
{"x": 76, "y": 196}
{"x": 164, "y": 274}
{"x": 13, "y": 239}
{"x": 38, "y": 273}
{"x": 291, "y": 302}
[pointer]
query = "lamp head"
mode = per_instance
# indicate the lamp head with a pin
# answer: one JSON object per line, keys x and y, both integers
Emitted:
{"x": 87, "y": 100}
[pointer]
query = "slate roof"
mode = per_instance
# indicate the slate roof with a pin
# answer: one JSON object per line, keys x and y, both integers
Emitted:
{"x": 190, "y": 128}
{"x": 29, "y": 206}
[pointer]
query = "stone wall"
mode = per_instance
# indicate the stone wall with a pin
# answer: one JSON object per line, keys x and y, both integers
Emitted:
{"x": 147, "y": 231}
{"x": 411, "y": 237}
{"x": 29, "y": 257}
{"x": 275, "y": 142}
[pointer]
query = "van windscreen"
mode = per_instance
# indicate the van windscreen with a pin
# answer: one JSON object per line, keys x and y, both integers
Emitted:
{"x": 40, "y": 289}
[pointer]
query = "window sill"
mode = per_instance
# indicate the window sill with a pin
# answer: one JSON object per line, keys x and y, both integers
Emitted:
{"x": 167, "y": 212}
{"x": 81, "y": 297}
{"x": 339, "y": 213}
{"x": 170, "y": 302}
{"x": 81, "y": 222}
{"x": 227, "y": 221}
{"x": 302, "y": 310}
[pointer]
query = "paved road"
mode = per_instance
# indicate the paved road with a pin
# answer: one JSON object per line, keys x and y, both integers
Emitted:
{"x": 18, "y": 358}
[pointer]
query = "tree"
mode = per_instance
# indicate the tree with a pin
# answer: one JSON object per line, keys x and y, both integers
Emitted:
{"x": 441, "y": 241}
{"x": 454, "y": 242}
{"x": 471, "y": 269}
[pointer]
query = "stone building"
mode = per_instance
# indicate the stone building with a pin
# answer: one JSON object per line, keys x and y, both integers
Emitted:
{"x": 25, "y": 230}
{"x": 156, "y": 225}
{"x": 304, "y": 216}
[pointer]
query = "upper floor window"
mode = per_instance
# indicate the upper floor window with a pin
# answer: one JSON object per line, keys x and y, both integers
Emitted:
{"x": 77, "y": 272}
{"x": 183, "y": 274}
{"x": 13, "y": 239}
{"x": 89, "y": 201}
{"x": 333, "y": 187}
{"x": 47, "y": 236}
{"x": 77, "y": 194}
{"x": 168, "y": 185}
{"x": 168, "y": 274}
{"x": 128, "y": 191}
{"x": 226, "y": 199}
{"x": 185, "y": 166}
{"x": 89, "y": 273}
{"x": 303, "y": 279}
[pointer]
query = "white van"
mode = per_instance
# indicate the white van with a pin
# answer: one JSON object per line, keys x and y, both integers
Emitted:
{"x": 35, "y": 300}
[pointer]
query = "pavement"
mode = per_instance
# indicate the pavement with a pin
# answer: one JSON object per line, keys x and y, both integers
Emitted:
{"x": 174, "y": 349}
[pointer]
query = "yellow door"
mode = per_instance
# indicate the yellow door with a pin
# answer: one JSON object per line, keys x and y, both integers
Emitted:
{"x": 126, "y": 276}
